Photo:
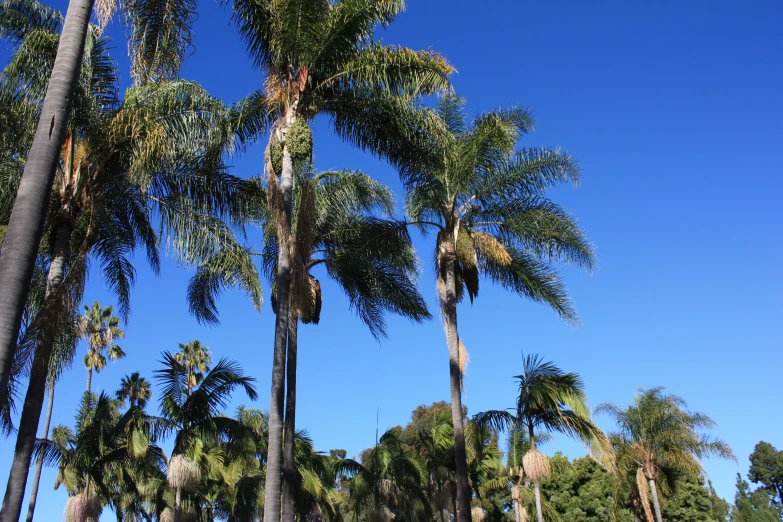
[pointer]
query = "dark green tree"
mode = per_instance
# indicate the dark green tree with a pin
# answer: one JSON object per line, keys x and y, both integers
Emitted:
{"x": 766, "y": 469}
{"x": 754, "y": 506}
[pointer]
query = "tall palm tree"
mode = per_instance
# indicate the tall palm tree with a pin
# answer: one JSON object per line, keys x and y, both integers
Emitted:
{"x": 196, "y": 419}
{"x": 343, "y": 223}
{"x": 196, "y": 359}
{"x": 389, "y": 481}
{"x": 657, "y": 434}
{"x": 135, "y": 389}
{"x": 320, "y": 58}
{"x": 161, "y": 150}
{"x": 159, "y": 39}
{"x": 99, "y": 327}
{"x": 550, "y": 400}
{"x": 486, "y": 201}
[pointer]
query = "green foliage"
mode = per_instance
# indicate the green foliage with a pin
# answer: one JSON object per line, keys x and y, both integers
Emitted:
{"x": 689, "y": 501}
{"x": 299, "y": 140}
{"x": 766, "y": 469}
{"x": 754, "y": 506}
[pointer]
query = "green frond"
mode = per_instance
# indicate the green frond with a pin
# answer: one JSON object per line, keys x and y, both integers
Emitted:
{"x": 18, "y": 18}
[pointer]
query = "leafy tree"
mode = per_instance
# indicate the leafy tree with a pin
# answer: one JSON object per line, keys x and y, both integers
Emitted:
{"x": 99, "y": 327}
{"x": 754, "y": 506}
{"x": 486, "y": 201}
{"x": 766, "y": 468}
{"x": 320, "y": 58}
{"x": 549, "y": 400}
{"x": 658, "y": 435}
{"x": 689, "y": 501}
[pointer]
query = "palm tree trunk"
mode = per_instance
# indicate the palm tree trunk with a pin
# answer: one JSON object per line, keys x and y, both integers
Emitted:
{"x": 25, "y": 227}
{"x": 89, "y": 380}
{"x": 536, "y": 487}
{"x": 177, "y": 505}
{"x": 517, "y": 514}
{"x": 36, "y": 388}
{"x": 449, "y": 305}
{"x": 289, "y": 465}
{"x": 656, "y": 504}
{"x": 39, "y": 464}
{"x": 275, "y": 442}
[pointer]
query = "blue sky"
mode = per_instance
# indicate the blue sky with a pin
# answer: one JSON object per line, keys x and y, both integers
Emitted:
{"x": 675, "y": 113}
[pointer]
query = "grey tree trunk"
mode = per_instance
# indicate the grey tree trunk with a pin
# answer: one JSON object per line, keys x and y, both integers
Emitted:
{"x": 449, "y": 305}
{"x": 517, "y": 514}
{"x": 39, "y": 464}
{"x": 289, "y": 436}
{"x": 89, "y": 381}
{"x": 25, "y": 227}
{"x": 539, "y": 514}
{"x": 177, "y": 505}
{"x": 275, "y": 443}
{"x": 36, "y": 388}
{"x": 656, "y": 504}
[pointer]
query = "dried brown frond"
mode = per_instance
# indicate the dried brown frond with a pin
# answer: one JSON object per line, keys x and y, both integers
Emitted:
{"x": 641, "y": 484}
{"x": 536, "y": 465}
{"x": 523, "y": 514}
{"x": 477, "y": 514}
{"x": 382, "y": 514}
{"x": 167, "y": 515}
{"x": 183, "y": 473}
{"x": 491, "y": 248}
{"x": 104, "y": 10}
{"x": 464, "y": 359}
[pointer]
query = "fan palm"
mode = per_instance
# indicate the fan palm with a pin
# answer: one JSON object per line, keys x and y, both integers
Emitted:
{"x": 549, "y": 400}
{"x": 486, "y": 201}
{"x": 135, "y": 389}
{"x": 159, "y": 151}
{"x": 159, "y": 39}
{"x": 196, "y": 359}
{"x": 99, "y": 327}
{"x": 320, "y": 58}
{"x": 658, "y": 435}
{"x": 196, "y": 418}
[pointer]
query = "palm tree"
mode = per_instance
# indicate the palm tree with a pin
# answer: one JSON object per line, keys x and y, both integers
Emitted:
{"x": 196, "y": 360}
{"x": 159, "y": 39}
{"x": 161, "y": 149}
{"x": 336, "y": 227}
{"x": 487, "y": 204}
{"x": 549, "y": 400}
{"x": 389, "y": 481}
{"x": 658, "y": 435}
{"x": 99, "y": 328}
{"x": 196, "y": 419}
{"x": 320, "y": 58}
{"x": 135, "y": 389}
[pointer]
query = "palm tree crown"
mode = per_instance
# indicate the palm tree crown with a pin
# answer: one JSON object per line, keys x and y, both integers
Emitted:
{"x": 99, "y": 327}
{"x": 196, "y": 359}
{"x": 135, "y": 389}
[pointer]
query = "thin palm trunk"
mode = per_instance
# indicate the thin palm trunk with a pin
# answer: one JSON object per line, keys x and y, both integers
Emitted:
{"x": 89, "y": 380}
{"x": 39, "y": 463}
{"x": 517, "y": 514}
{"x": 36, "y": 388}
{"x": 656, "y": 504}
{"x": 277, "y": 395}
{"x": 25, "y": 227}
{"x": 178, "y": 505}
{"x": 537, "y": 489}
{"x": 449, "y": 305}
{"x": 289, "y": 465}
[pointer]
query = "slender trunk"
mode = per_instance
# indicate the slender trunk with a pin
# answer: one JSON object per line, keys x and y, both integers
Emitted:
{"x": 275, "y": 443}
{"x": 449, "y": 304}
{"x": 537, "y": 489}
{"x": 289, "y": 436}
{"x": 517, "y": 514}
{"x": 36, "y": 388}
{"x": 89, "y": 380}
{"x": 177, "y": 505}
{"x": 25, "y": 227}
{"x": 656, "y": 504}
{"x": 39, "y": 464}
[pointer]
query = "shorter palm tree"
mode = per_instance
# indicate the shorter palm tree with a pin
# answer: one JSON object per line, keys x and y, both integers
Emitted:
{"x": 549, "y": 400}
{"x": 99, "y": 327}
{"x": 135, "y": 389}
{"x": 658, "y": 435}
{"x": 196, "y": 359}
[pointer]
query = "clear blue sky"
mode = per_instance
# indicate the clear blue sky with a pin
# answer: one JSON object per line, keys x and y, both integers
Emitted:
{"x": 674, "y": 110}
